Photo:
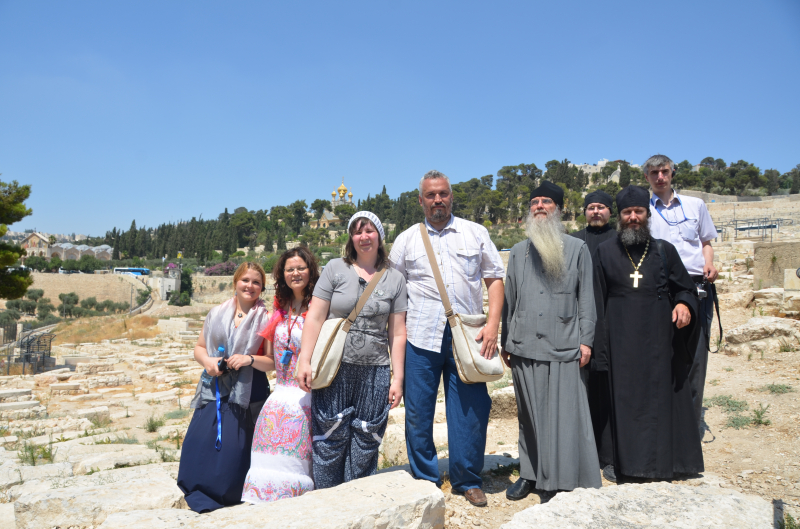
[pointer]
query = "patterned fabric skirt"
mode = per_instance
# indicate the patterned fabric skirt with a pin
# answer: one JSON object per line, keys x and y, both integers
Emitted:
{"x": 280, "y": 465}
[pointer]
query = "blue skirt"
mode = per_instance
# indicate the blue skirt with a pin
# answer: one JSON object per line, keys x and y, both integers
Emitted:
{"x": 208, "y": 478}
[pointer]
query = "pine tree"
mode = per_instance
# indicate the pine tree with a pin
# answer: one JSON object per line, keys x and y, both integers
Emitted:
{"x": 13, "y": 283}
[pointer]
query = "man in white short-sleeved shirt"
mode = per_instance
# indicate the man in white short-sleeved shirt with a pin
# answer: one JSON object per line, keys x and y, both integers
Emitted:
{"x": 685, "y": 222}
{"x": 465, "y": 255}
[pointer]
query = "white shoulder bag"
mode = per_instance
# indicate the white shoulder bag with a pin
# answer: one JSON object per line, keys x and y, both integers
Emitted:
{"x": 472, "y": 366}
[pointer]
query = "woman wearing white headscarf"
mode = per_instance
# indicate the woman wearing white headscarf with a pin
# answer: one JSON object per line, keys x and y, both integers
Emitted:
{"x": 349, "y": 417}
{"x": 216, "y": 450}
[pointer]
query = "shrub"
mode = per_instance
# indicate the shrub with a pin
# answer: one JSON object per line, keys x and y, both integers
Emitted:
{"x": 223, "y": 269}
{"x": 153, "y": 423}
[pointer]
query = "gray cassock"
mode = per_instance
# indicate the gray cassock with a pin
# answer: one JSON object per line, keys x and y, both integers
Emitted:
{"x": 544, "y": 324}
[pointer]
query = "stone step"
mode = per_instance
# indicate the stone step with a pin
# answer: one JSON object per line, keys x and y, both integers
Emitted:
{"x": 392, "y": 499}
{"x": 89, "y": 506}
{"x": 66, "y": 386}
{"x": 7, "y": 406}
{"x": 13, "y": 393}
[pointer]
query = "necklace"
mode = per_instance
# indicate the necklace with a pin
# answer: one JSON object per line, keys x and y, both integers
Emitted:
{"x": 636, "y": 275}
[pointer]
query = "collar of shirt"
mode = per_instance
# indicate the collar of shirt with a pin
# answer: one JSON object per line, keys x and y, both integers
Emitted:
{"x": 451, "y": 225}
{"x": 676, "y": 199}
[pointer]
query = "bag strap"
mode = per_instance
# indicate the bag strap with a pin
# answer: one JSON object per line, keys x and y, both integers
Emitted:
{"x": 713, "y": 288}
{"x": 351, "y": 318}
{"x": 437, "y": 275}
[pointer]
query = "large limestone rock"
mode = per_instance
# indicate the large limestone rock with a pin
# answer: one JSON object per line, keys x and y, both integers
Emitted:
{"x": 736, "y": 299}
{"x": 383, "y": 501}
{"x": 767, "y": 334}
{"x": 648, "y": 505}
{"x": 89, "y": 506}
{"x": 504, "y": 403}
{"x": 769, "y": 299}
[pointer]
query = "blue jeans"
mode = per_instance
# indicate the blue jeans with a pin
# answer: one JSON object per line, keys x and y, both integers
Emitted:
{"x": 468, "y": 407}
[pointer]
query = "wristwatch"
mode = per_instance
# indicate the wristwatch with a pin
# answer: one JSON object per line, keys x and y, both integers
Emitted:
{"x": 252, "y": 359}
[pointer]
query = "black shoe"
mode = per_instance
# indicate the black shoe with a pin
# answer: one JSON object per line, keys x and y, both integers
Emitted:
{"x": 609, "y": 474}
{"x": 519, "y": 490}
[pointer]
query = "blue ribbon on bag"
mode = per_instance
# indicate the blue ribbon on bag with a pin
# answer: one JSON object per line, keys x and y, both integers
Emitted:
{"x": 218, "y": 442}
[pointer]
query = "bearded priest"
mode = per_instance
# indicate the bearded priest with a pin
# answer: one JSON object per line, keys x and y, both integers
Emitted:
{"x": 548, "y": 330}
{"x": 646, "y": 335}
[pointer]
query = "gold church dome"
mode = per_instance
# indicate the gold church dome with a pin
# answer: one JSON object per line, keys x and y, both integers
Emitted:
{"x": 333, "y": 194}
{"x": 342, "y": 189}
{"x": 350, "y": 194}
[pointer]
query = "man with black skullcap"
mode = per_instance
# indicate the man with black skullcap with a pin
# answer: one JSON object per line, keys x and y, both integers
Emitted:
{"x": 597, "y": 209}
{"x": 646, "y": 335}
{"x": 547, "y": 334}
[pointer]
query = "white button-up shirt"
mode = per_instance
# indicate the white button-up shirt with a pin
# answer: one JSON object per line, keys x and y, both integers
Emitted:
{"x": 465, "y": 254}
{"x": 685, "y": 223}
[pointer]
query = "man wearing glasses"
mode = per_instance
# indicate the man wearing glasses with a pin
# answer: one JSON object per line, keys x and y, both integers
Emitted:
{"x": 685, "y": 222}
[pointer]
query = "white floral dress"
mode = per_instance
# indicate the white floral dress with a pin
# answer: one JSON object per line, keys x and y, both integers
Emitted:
{"x": 280, "y": 464}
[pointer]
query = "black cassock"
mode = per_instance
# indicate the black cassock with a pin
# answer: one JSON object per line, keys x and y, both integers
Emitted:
{"x": 594, "y": 236}
{"x": 652, "y": 421}
{"x": 597, "y": 388}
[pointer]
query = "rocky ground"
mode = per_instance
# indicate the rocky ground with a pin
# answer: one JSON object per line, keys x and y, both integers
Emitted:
{"x": 105, "y": 430}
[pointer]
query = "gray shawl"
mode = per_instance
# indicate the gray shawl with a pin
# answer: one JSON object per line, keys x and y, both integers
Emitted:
{"x": 218, "y": 330}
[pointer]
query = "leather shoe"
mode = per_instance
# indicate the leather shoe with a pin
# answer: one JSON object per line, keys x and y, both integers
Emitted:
{"x": 609, "y": 474}
{"x": 519, "y": 490}
{"x": 474, "y": 495}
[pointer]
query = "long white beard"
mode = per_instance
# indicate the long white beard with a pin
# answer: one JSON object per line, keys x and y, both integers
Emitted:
{"x": 546, "y": 236}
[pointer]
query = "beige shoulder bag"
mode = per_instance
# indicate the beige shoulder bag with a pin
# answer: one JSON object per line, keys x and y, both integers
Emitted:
{"x": 329, "y": 349}
{"x": 472, "y": 366}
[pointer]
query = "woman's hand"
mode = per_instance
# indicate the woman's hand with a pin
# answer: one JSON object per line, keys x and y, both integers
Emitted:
{"x": 210, "y": 365}
{"x": 304, "y": 374}
{"x": 395, "y": 393}
{"x": 238, "y": 361}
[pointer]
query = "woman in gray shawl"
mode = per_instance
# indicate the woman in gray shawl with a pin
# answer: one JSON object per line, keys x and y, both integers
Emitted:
{"x": 233, "y": 387}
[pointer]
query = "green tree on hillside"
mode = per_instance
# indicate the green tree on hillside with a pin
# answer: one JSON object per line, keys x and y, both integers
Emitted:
{"x": 344, "y": 212}
{"x": 13, "y": 283}
{"x": 319, "y": 206}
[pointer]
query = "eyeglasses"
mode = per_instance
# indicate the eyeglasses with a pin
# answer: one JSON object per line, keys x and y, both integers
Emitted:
{"x": 300, "y": 269}
{"x": 544, "y": 201}
{"x": 596, "y": 208}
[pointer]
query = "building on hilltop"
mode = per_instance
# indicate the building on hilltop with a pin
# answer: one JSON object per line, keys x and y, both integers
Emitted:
{"x": 339, "y": 197}
{"x": 341, "y": 191}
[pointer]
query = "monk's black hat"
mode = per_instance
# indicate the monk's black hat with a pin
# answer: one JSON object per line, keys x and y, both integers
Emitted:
{"x": 598, "y": 197}
{"x": 549, "y": 190}
{"x": 633, "y": 196}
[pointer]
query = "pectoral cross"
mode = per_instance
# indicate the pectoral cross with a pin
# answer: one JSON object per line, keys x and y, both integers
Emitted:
{"x": 636, "y": 277}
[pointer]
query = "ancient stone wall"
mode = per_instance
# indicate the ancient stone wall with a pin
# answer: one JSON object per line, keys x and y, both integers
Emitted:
{"x": 770, "y": 261}
{"x": 117, "y": 288}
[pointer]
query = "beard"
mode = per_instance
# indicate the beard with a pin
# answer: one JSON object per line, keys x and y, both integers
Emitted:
{"x": 630, "y": 236}
{"x": 546, "y": 235}
{"x": 597, "y": 223}
{"x": 439, "y": 215}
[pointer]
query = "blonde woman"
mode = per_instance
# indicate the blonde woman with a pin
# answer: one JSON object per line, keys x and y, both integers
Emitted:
{"x": 216, "y": 451}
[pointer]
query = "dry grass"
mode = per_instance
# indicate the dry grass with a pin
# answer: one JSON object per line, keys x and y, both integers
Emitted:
{"x": 106, "y": 328}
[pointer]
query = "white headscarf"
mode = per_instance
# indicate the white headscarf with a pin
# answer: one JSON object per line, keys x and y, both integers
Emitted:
{"x": 370, "y": 216}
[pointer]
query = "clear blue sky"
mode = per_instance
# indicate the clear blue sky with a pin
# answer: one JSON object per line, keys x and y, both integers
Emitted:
{"x": 161, "y": 111}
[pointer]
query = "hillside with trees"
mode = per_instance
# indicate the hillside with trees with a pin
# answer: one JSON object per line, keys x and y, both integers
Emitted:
{"x": 493, "y": 200}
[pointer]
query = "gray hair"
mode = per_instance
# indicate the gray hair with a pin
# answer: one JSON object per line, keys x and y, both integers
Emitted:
{"x": 432, "y": 175}
{"x": 657, "y": 161}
